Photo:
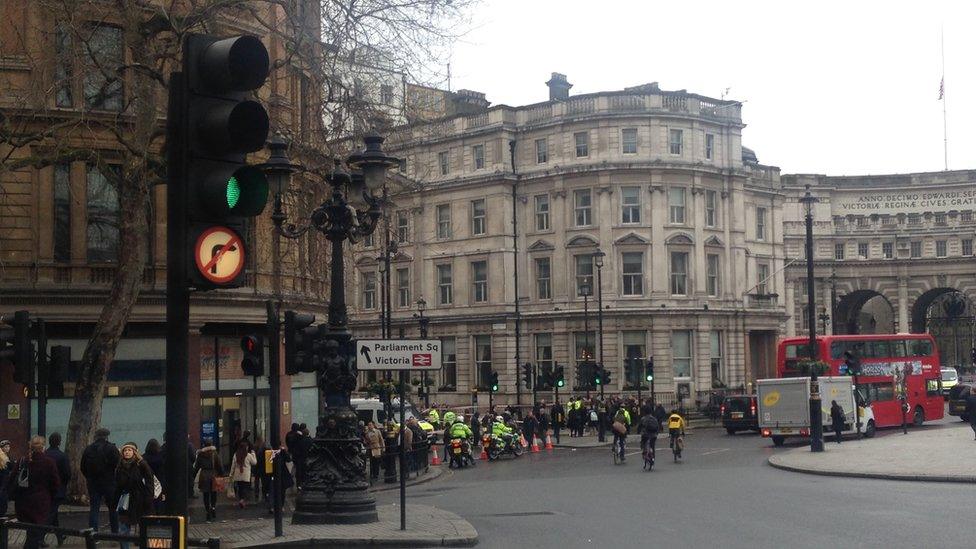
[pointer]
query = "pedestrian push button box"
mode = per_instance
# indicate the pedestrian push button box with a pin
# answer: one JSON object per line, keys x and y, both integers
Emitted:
{"x": 158, "y": 532}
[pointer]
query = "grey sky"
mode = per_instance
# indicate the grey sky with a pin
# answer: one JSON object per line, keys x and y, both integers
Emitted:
{"x": 829, "y": 87}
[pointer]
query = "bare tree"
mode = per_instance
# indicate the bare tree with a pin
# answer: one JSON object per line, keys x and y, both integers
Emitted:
{"x": 96, "y": 92}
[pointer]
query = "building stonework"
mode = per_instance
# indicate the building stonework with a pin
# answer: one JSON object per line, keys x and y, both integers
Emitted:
{"x": 690, "y": 224}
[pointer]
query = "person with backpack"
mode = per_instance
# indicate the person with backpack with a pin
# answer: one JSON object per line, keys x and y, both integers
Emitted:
{"x": 98, "y": 464}
{"x": 33, "y": 485}
{"x": 621, "y": 423}
{"x": 648, "y": 428}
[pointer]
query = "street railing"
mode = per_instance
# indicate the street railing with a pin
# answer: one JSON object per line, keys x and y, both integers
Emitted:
{"x": 90, "y": 536}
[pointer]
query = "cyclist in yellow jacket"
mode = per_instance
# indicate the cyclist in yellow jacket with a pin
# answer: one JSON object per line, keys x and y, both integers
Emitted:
{"x": 676, "y": 427}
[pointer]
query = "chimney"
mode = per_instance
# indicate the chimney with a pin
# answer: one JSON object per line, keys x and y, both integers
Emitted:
{"x": 558, "y": 87}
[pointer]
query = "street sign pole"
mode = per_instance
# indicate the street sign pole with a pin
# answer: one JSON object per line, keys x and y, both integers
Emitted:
{"x": 403, "y": 452}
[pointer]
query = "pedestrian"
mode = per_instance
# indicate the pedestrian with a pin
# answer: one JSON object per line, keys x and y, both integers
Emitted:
{"x": 557, "y": 415}
{"x": 660, "y": 414}
{"x": 407, "y": 447}
{"x": 970, "y": 410}
{"x": 64, "y": 476}
{"x": 260, "y": 476}
{"x": 153, "y": 456}
{"x": 475, "y": 429}
{"x": 295, "y": 440}
{"x": 837, "y": 419}
{"x": 98, "y": 464}
{"x": 134, "y": 483}
{"x": 543, "y": 429}
{"x": 529, "y": 427}
{"x": 208, "y": 467}
{"x": 240, "y": 473}
{"x": 375, "y": 446}
{"x": 5, "y": 467}
{"x": 34, "y": 482}
{"x": 287, "y": 481}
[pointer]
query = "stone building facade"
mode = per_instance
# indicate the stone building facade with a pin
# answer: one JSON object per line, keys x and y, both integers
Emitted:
{"x": 688, "y": 220}
{"x": 893, "y": 253}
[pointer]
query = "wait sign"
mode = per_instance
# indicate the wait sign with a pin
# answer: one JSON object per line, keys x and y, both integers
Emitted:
{"x": 398, "y": 354}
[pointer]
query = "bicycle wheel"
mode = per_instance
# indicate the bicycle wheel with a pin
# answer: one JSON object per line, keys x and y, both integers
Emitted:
{"x": 615, "y": 453}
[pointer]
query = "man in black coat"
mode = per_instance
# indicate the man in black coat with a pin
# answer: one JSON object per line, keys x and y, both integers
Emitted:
{"x": 558, "y": 416}
{"x": 529, "y": 427}
{"x": 98, "y": 464}
{"x": 64, "y": 472}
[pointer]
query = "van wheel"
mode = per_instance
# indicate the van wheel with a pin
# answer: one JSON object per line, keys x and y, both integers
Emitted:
{"x": 919, "y": 418}
{"x": 730, "y": 431}
{"x": 778, "y": 440}
{"x": 870, "y": 430}
{"x": 964, "y": 417}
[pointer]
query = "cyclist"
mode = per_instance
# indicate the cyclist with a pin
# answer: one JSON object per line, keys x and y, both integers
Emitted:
{"x": 620, "y": 434}
{"x": 676, "y": 427}
{"x": 648, "y": 429}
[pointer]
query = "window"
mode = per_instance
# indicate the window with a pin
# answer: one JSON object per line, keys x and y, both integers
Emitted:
{"x": 838, "y": 251}
{"x": 403, "y": 287}
{"x": 675, "y": 141}
{"x": 542, "y": 212}
{"x": 582, "y": 144}
{"x": 63, "y": 70}
{"x": 916, "y": 248}
{"x": 676, "y": 204}
{"x": 940, "y": 219}
{"x": 630, "y": 204}
{"x": 760, "y": 223}
{"x": 445, "y": 284}
{"x": 386, "y": 94}
{"x": 888, "y": 250}
{"x": 448, "y": 364}
{"x": 710, "y": 200}
{"x": 628, "y": 140}
{"x": 914, "y": 219}
{"x": 369, "y": 290}
{"x": 585, "y": 345}
{"x": 444, "y": 221}
{"x": 862, "y": 221}
{"x": 479, "y": 281}
{"x": 862, "y": 250}
{"x": 62, "y": 212}
{"x": 633, "y": 273}
{"x": 762, "y": 274}
{"x": 966, "y": 217}
{"x": 940, "y": 248}
{"x": 679, "y": 273}
{"x": 541, "y": 151}
{"x": 583, "y": 207}
{"x": 709, "y": 146}
{"x": 711, "y": 274}
{"x": 478, "y": 153}
{"x": 967, "y": 246}
{"x": 403, "y": 226}
{"x": 478, "y": 216}
{"x": 102, "y": 77}
{"x": 718, "y": 366}
{"x": 543, "y": 278}
{"x": 444, "y": 161}
{"x": 584, "y": 272}
{"x": 482, "y": 359}
{"x": 681, "y": 347}
{"x": 889, "y": 220}
{"x": 103, "y": 217}
{"x": 369, "y": 241}
{"x": 543, "y": 350}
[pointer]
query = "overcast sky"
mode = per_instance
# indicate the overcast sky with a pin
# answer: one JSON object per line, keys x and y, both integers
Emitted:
{"x": 842, "y": 88}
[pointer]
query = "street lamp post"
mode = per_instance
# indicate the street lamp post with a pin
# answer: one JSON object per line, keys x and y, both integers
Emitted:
{"x": 335, "y": 487}
{"x": 824, "y": 319}
{"x": 598, "y": 261}
{"x": 586, "y": 290}
{"x": 816, "y": 419}
{"x": 424, "y": 323}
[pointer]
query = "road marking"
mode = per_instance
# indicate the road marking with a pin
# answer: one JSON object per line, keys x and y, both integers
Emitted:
{"x": 717, "y": 451}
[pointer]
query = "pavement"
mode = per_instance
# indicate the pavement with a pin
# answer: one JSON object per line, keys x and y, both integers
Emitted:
{"x": 936, "y": 455}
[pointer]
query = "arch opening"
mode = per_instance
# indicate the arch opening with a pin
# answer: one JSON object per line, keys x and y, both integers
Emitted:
{"x": 864, "y": 312}
{"x": 950, "y": 317}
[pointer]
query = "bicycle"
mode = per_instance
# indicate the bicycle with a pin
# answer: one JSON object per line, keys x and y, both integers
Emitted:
{"x": 648, "y": 452}
{"x": 677, "y": 445}
{"x": 617, "y": 451}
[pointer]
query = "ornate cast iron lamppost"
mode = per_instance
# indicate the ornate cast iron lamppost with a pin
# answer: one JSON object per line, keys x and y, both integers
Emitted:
{"x": 816, "y": 419}
{"x": 335, "y": 487}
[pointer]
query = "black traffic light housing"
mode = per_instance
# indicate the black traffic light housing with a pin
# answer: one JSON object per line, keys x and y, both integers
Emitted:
{"x": 649, "y": 372}
{"x": 298, "y": 332}
{"x": 253, "y": 362}
{"x": 222, "y": 125}
{"x": 493, "y": 381}
{"x": 559, "y": 376}
{"x": 527, "y": 374}
{"x": 605, "y": 376}
{"x": 16, "y": 346}
{"x": 58, "y": 370}
{"x": 546, "y": 378}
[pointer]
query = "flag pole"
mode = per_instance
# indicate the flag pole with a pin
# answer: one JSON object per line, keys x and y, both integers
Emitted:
{"x": 945, "y": 127}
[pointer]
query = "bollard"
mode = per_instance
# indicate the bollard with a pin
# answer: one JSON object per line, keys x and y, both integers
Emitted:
{"x": 213, "y": 543}
{"x": 4, "y": 532}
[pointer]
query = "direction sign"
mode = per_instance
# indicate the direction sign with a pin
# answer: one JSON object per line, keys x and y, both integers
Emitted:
{"x": 398, "y": 354}
{"x": 219, "y": 254}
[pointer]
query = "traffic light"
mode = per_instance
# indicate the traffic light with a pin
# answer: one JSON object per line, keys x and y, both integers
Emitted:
{"x": 58, "y": 370}
{"x": 222, "y": 125}
{"x": 546, "y": 378}
{"x": 15, "y": 345}
{"x": 852, "y": 362}
{"x": 298, "y": 329}
{"x": 560, "y": 376}
{"x": 649, "y": 373}
{"x": 493, "y": 381}
{"x": 597, "y": 375}
{"x": 973, "y": 354}
{"x": 527, "y": 374}
{"x": 253, "y": 362}
{"x": 605, "y": 377}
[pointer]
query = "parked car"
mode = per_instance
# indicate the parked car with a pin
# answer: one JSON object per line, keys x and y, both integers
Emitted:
{"x": 950, "y": 377}
{"x": 739, "y": 413}
{"x": 957, "y": 400}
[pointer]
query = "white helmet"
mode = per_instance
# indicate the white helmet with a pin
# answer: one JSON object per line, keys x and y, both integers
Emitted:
{"x": 499, "y": 419}
{"x": 459, "y": 419}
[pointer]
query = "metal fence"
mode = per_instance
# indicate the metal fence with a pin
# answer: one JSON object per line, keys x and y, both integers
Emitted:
{"x": 90, "y": 536}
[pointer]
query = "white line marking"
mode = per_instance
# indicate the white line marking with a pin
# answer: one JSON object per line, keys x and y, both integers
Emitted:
{"x": 719, "y": 451}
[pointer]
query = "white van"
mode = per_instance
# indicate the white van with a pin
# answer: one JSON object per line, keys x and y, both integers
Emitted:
{"x": 371, "y": 409}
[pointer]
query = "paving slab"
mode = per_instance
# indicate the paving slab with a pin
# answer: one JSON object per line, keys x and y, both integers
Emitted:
{"x": 934, "y": 454}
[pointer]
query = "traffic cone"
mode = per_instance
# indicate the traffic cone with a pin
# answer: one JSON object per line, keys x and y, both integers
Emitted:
{"x": 484, "y": 454}
{"x": 535, "y": 445}
{"x": 522, "y": 440}
{"x": 437, "y": 457}
{"x": 548, "y": 443}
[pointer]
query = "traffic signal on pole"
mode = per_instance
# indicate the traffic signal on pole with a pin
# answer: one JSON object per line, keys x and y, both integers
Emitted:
{"x": 58, "y": 370}
{"x": 560, "y": 376}
{"x": 605, "y": 377}
{"x": 253, "y": 362}
{"x": 649, "y": 373}
{"x": 298, "y": 329}
{"x": 493, "y": 381}
{"x": 15, "y": 346}
{"x": 597, "y": 373}
{"x": 221, "y": 125}
{"x": 546, "y": 378}
{"x": 527, "y": 374}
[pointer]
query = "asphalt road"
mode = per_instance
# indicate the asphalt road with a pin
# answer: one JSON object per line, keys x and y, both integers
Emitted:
{"x": 723, "y": 494}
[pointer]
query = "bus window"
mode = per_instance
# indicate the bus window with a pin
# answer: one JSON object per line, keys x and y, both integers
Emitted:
{"x": 919, "y": 347}
{"x": 898, "y": 349}
{"x": 798, "y": 351}
{"x": 877, "y": 392}
{"x": 933, "y": 386}
{"x": 878, "y": 348}
{"x": 837, "y": 348}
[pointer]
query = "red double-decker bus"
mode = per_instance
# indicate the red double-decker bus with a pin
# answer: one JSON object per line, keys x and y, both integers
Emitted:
{"x": 893, "y": 366}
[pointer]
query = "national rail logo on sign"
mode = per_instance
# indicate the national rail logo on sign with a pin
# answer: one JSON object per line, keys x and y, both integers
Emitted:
{"x": 421, "y": 359}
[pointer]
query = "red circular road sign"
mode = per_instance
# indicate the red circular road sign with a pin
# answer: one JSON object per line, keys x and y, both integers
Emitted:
{"x": 219, "y": 254}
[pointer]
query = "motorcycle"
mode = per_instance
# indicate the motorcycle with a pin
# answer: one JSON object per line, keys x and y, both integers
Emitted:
{"x": 460, "y": 454}
{"x": 496, "y": 447}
